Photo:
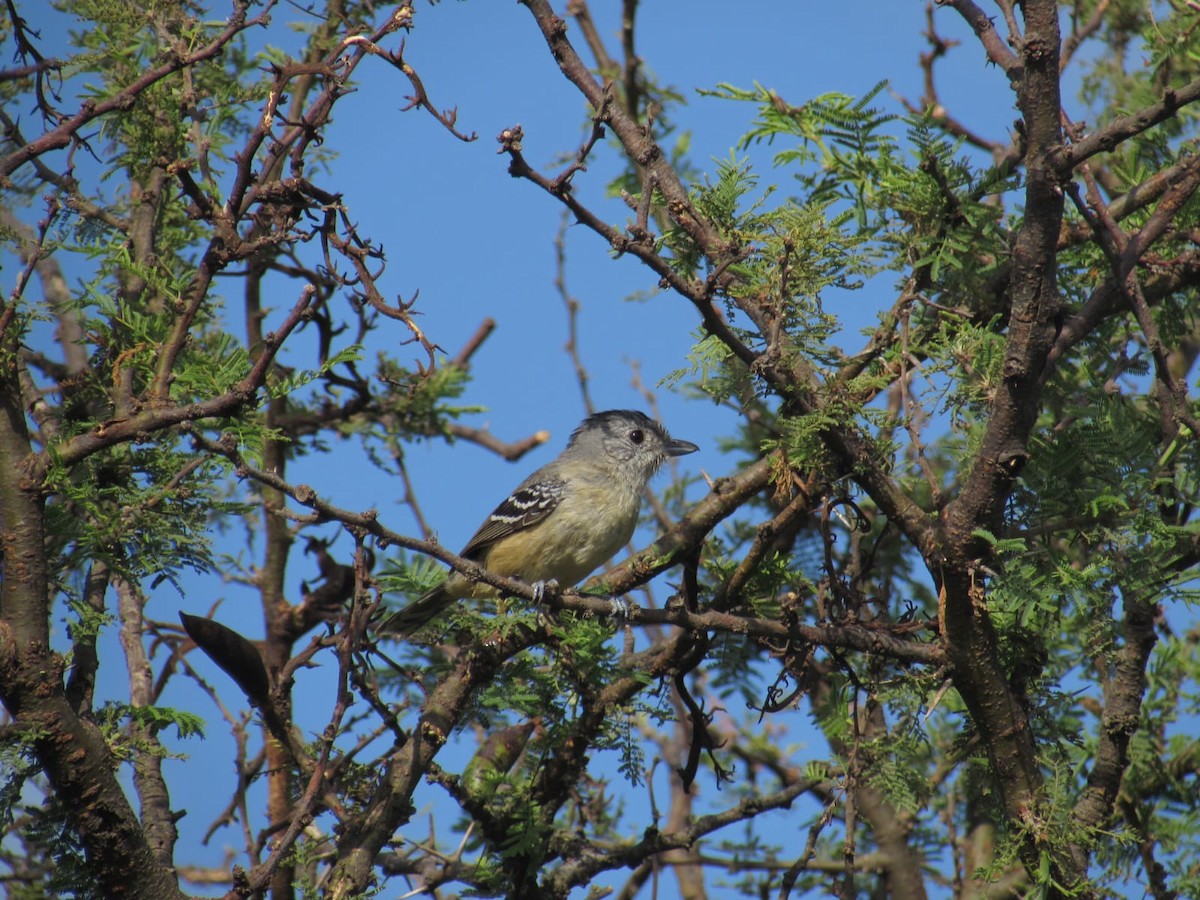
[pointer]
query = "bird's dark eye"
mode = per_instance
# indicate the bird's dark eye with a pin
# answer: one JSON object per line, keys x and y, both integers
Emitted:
{"x": 637, "y": 435}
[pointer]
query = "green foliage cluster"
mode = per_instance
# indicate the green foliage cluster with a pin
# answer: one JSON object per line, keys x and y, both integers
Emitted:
{"x": 1101, "y": 515}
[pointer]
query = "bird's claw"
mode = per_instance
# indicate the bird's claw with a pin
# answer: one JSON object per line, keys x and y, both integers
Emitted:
{"x": 539, "y": 590}
{"x": 619, "y": 608}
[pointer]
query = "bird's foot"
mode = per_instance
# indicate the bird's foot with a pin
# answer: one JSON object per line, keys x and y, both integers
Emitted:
{"x": 619, "y": 608}
{"x": 539, "y": 590}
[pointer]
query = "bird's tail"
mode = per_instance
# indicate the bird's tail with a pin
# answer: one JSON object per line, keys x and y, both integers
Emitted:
{"x": 417, "y": 614}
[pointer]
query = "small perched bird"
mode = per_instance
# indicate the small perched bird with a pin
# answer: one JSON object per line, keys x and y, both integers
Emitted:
{"x": 564, "y": 520}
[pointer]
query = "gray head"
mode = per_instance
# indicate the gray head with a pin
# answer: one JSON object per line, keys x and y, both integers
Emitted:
{"x": 629, "y": 441}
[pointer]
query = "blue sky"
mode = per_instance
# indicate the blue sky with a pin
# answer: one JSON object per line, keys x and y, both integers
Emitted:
{"x": 477, "y": 243}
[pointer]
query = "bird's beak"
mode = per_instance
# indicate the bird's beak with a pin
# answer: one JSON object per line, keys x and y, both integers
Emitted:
{"x": 680, "y": 448}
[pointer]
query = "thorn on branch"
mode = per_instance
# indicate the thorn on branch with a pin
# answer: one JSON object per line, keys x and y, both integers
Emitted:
{"x": 702, "y": 740}
{"x": 448, "y": 118}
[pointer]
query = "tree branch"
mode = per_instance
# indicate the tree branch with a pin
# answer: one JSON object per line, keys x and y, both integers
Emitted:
{"x": 1065, "y": 159}
{"x": 126, "y": 98}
